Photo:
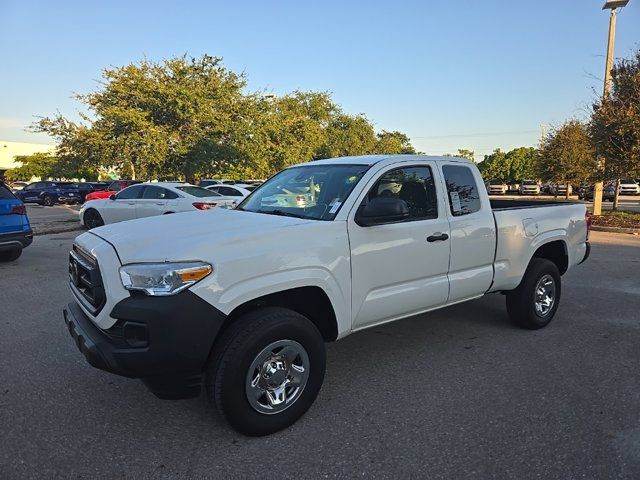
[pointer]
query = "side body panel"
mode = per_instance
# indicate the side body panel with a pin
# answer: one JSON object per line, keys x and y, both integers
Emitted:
{"x": 522, "y": 231}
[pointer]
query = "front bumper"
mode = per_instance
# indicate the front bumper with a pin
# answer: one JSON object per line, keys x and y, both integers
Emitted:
{"x": 165, "y": 341}
{"x": 10, "y": 241}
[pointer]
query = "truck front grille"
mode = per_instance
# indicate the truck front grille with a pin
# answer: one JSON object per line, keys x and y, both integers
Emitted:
{"x": 85, "y": 279}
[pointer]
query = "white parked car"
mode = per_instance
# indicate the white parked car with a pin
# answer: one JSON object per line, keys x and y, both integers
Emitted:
{"x": 150, "y": 199}
{"x": 230, "y": 192}
{"x": 496, "y": 187}
{"x": 628, "y": 186}
{"x": 560, "y": 189}
{"x": 241, "y": 302}
{"x": 529, "y": 187}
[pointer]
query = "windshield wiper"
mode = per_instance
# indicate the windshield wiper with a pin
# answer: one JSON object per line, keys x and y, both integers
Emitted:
{"x": 282, "y": 213}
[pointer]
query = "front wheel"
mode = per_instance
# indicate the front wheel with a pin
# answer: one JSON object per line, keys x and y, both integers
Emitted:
{"x": 48, "y": 201}
{"x": 10, "y": 255}
{"x": 534, "y": 303}
{"x": 266, "y": 370}
{"x": 93, "y": 219}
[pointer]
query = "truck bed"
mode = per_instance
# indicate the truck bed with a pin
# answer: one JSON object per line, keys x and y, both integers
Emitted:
{"x": 511, "y": 204}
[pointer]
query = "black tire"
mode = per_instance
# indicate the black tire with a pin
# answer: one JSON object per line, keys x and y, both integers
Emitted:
{"x": 228, "y": 371}
{"x": 93, "y": 219}
{"x": 48, "y": 201}
{"x": 521, "y": 302}
{"x": 10, "y": 255}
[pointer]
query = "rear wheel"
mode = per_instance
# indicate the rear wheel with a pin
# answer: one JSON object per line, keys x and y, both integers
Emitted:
{"x": 266, "y": 370}
{"x": 534, "y": 303}
{"x": 10, "y": 255}
{"x": 93, "y": 219}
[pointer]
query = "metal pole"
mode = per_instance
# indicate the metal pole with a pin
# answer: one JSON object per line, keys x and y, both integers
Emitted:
{"x": 597, "y": 190}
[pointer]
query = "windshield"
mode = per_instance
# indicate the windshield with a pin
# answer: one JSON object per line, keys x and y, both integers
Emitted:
{"x": 495, "y": 182}
{"x": 627, "y": 181}
{"x": 530, "y": 182}
{"x": 196, "y": 191}
{"x": 314, "y": 191}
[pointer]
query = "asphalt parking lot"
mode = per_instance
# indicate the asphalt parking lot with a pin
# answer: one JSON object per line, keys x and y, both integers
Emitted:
{"x": 459, "y": 393}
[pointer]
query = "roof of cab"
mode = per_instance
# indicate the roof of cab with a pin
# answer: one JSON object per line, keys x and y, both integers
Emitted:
{"x": 374, "y": 159}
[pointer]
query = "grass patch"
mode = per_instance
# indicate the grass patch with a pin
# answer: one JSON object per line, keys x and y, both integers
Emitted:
{"x": 617, "y": 219}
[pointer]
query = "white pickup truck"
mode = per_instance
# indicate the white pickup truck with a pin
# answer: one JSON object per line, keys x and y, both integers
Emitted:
{"x": 241, "y": 302}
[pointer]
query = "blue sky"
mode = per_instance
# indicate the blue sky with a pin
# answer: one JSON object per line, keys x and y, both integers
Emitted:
{"x": 465, "y": 74}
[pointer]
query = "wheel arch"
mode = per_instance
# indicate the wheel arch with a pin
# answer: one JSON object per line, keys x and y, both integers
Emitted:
{"x": 556, "y": 252}
{"x": 310, "y": 301}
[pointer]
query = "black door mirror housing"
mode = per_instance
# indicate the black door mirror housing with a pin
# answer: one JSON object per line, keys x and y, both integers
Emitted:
{"x": 112, "y": 197}
{"x": 381, "y": 210}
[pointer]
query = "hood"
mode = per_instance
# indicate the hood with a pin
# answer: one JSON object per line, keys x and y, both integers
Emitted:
{"x": 184, "y": 236}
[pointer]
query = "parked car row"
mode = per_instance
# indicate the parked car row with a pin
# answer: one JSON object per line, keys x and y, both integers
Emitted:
{"x": 533, "y": 187}
{"x": 150, "y": 199}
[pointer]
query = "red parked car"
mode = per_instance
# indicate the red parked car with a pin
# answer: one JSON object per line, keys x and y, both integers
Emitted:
{"x": 112, "y": 189}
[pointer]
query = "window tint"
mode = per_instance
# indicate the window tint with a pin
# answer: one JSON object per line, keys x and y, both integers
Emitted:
{"x": 414, "y": 185}
{"x": 130, "y": 192}
{"x": 462, "y": 189}
{"x": 196, "y": 191}
{"x": 228, "y": 192}
{"x": 5, "y": 193}
{"x": 31, "y": 186}
{"x": 158, "y": 193}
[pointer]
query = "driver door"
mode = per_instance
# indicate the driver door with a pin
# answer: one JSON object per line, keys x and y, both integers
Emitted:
{"x": 124, "y": 205}
{"x": 400, "y": 268}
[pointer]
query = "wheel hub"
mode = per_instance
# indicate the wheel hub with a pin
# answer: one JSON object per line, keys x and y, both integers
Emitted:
{"x": 277, "y": 376}
{"x": 274, "y": 372}
{"x": 545, "y": 295}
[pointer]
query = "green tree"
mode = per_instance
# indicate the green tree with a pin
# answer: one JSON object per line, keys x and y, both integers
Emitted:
{"x": 187, "y": 118}
{"x": 46, "y": 165}
{"x": 566, "y": 154}
{"x": 512, "y": 166}
{"x": 615, "y": 123}
{"x": 393, "y": 143}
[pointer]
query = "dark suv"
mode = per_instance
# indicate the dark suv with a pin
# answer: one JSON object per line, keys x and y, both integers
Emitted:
{"x": 49, "y": 193}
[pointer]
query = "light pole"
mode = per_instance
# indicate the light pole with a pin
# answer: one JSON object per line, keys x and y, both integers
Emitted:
{"x": 612, "y": 5}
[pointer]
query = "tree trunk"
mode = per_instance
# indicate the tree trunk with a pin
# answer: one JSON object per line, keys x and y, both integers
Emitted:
{"x": 566, "y": 195}
{"x": 133, "y": 171}
{"x": 616, "y": 196}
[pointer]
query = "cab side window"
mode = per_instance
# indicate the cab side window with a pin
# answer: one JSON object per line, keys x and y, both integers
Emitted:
{"x": 414, "y": 185}
{"x": 461, "y": 189}
{"x": 130, "y": 193}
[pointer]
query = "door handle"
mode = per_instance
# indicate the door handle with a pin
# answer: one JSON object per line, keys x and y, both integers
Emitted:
{"x": 160, "y": 203}
{"x": 437, "y": 237}
{"x": 131, "y": 203}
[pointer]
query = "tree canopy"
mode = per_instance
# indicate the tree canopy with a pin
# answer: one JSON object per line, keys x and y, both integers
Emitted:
{"x": 615, "y": 122}
{"x": 567, "y": 155}
{"x": 512, "y": 166}
{"x": 187, "y": 118}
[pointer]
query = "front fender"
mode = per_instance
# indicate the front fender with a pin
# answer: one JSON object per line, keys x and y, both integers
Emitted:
{"x": 232, "y": 296}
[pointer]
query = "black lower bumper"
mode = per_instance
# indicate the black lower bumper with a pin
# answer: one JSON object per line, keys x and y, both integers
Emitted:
{"x": 165, "y": 341}
{"x": 9, "y": 241}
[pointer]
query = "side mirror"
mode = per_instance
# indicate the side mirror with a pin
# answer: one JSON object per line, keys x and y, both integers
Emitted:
{"x": 382, "y": 210}
{"x": 112, "y": 197}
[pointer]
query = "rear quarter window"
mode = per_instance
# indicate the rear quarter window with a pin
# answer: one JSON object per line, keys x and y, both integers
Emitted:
{"x": 5, "y": 193}
{"x": 462, "y": 190}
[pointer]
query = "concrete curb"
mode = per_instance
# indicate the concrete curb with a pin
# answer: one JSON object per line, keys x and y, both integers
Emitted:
{"x": 51, "y": 229}
{"x": 630, "y": 231}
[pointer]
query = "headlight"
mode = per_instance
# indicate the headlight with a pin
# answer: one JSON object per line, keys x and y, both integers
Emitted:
{"x": 162, "y": 279}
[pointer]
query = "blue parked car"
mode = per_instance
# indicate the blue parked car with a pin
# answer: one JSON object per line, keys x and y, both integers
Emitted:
{"x": 49, "y": 193}
{"x": 15, "y": 230}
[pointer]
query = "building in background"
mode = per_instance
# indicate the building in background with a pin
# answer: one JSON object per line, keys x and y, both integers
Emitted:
{"x": 9, "y": 150}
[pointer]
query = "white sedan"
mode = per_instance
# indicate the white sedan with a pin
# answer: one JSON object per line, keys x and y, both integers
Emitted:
{"x": 237, "y": 192}
{"x": 149, "y": 199}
